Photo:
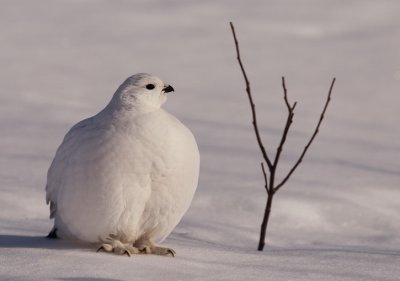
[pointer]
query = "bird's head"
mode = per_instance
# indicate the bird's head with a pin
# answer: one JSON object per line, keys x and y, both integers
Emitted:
{"x": 142, "y": 91}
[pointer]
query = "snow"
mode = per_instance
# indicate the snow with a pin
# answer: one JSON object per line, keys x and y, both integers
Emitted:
{"x": 336, "y": 219}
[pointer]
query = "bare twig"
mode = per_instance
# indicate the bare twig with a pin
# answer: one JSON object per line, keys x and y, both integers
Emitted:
{"x": 252, "y": 105}
{"x": 272, "y": 167}
{"x": 289, "y": 107}
{"x": 289, "y": 122}
{"x": 285, "y": 96}
{"x": 328, "y": 99}
{"x": 265, "y": 178}
{"x": 264, "y": 223}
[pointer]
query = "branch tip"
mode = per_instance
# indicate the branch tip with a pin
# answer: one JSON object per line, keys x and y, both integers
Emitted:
{"x": 250, "y": 98}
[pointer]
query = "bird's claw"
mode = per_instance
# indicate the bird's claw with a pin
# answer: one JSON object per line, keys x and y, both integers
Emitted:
{"x": 118, "y": 248}
{"x": 155, "y": 250}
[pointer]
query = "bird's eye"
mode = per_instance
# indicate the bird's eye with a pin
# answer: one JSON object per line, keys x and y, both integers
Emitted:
{"x": 150, "y": 86}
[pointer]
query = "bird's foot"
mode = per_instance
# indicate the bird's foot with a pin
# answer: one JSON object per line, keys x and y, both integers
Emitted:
{"x": 155, "y": 250}
{"x": 118, "y": 248}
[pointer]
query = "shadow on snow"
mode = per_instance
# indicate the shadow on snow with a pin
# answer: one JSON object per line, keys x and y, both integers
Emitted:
{"x": 38, "y": 242}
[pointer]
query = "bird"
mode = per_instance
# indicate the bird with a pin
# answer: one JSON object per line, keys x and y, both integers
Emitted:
{"x": 124, "y": 178}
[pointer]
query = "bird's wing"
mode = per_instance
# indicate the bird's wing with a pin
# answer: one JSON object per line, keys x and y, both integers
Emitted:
{"x": 60, "y": 161}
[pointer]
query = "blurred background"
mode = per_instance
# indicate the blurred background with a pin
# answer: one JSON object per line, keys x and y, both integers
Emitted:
{"x": 61, "y": 61}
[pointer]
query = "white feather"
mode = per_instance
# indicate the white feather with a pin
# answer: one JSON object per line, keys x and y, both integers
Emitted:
{"x": 131, "y": 170}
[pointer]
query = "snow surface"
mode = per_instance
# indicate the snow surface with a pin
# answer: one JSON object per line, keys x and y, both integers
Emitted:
{"x": 338, "y": 218}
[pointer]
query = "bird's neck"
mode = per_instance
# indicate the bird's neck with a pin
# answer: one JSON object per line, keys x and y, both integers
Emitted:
{"x": 114, "y": 112}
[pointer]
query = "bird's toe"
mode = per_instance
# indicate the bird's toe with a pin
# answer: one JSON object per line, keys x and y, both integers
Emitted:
{"x": 155, "y": 250}
{"x": 118, "y": 248}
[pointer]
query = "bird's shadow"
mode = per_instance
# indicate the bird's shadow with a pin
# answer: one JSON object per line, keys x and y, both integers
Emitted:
{"x": 37, "y": 242}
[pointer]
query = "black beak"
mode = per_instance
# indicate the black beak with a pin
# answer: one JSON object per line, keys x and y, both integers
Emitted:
{"x": 168, "y": 89}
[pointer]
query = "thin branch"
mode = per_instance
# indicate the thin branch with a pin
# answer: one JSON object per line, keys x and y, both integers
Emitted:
{"x": 310, "y": 141}
{"x": 289, "y": 122}
{"x": 253, "y": 107}
{"x": 285, "y": 94}
{"x": 269, "y": 179}
{"x": 289, "y": 107}
{"x": 265, "y": 178}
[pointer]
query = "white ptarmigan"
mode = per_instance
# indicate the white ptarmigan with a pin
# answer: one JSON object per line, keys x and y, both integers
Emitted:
{"x": 124, "y": 177}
